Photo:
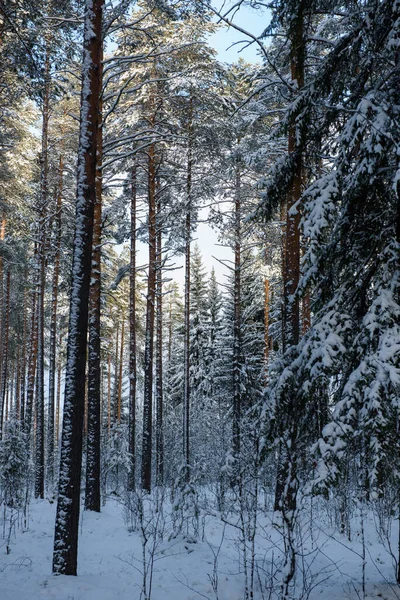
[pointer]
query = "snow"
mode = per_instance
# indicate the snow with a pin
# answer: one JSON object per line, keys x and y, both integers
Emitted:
{"x": 109, "y": 563}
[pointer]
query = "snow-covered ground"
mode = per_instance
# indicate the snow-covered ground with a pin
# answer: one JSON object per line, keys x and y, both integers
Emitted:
{"x": 110, "y": 561}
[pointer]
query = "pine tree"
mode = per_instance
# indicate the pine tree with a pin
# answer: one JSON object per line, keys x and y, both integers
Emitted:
{"x": 67, "y": 518}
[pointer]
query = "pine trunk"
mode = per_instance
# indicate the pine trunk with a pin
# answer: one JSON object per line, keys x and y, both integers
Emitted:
{"x": 286, "y": 484}
{"x": 2, "y": 233}
{"x": 53, "y": 330}
{"x": 30, "y": 386}
{"x": 120, "y": 373}
{"x": 4, "y": 370}
{"x": 159, "y": 361}
{"x": 67, "y": 518}
{"x": 266, "y": 325}
{"x": 149, "y": 338}
{"x": 237, "y": 325}
{"x": 188, "y": 236}
{"x": 40, "y": 428}
{"x": 132, "y": 339}
{"x": 92, "y": 492}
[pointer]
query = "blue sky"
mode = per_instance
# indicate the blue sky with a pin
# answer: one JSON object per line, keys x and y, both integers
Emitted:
{"x": 254, "y": 21}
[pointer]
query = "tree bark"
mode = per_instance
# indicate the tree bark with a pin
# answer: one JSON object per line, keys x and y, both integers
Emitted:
{"x": 132, "y": 339}
{"x": 30, "y": 387}
{"x": 4, "y": 370}
{"x": 120, "y": 373}
{"x": 67, "y": 517}
{"x": 188, "y": 236}
{"x": 92, "y": 493}
{"x": 149, "y": 339}
{"x": 159, "y": 360}
{"x": 287, "y": 483}
{"x": 53, "y": 329}
{"x": 237, "y": 326}
{"x": 40, "y": 425}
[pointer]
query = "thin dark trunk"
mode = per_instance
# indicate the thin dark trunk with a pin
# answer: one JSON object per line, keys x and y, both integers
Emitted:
{"x": 159, "y": 361}
{"x": 109, "y": 395}
{"x": 132, "y": 339}
{"x": 40, "y": 426}
{"x": 92, "y": 492}
{"x": 266, "y": 324}
{"x": 2, "y": 232}
{"x": 237, "y": 326}
{"x": 23, "y": 360}
{"x": 120, "y": 373}
{"x": 67, "y": 519}
{"x": 4, "y": 370}
{"x": 116, "y": 379}
{"x": 53, "y": 329}
{"x": 188, "y": 235}
{"x": 149, "y": 341}
{"x": 30, "y": 387}
{"x": 58, "y": 398}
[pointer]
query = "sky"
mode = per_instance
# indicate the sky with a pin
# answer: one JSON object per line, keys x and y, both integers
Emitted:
{"x": 229, "y": 42}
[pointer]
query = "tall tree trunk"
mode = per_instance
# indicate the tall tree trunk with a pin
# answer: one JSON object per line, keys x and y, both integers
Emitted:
{"x": 292, "y": 250}
{"x": 58, "y": 398}
{"x": 18, "y": 385}
{"x": 159, "y": 361}
{"x": 266, "y": 324}
{"x": 109, "y": 394}
{"x": 288, "y": 410}
{"x": 132, "y": 338}
{"x": 67, "y": 517}
{"x": 53, "y": 329}
{"x": 4, "y": 370}
{"x": 23, "y": 359}
{"x": 237, "y": 326}
{"x": 92, "y": 493}
{"x": 149, "y": 339}
{"x": 188, "y": 236}
{"x": 40, "y": 426}
{"x": 30, "y": 386}
{"x": 2, "y": 233}
{"x": 120, "y": 373}
{"x": 116, "y": 378}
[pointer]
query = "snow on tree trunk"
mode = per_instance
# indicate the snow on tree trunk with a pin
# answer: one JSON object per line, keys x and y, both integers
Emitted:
{"x": 132, "y": 338}
{"x": 67, "y": 517}
{"x": 149, "y": 337}
{"x": 40, "y": 438}
{"x": 53, "y": 329}
{"x": 4, "y": 370}
{"x": 236, "y": 359}
{"x": 186, "y": 378}
{"x": 159, "y": 358}
{"x": 92, "y": 492}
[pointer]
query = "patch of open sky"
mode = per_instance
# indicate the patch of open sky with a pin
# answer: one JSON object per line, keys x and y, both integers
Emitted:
{"x": 232, "y": 44}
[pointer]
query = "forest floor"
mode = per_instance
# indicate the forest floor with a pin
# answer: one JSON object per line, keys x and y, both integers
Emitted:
{"x": 111, "y": 560}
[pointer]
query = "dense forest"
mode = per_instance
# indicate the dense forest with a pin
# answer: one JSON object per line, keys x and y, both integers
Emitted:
{"x": 244, "y": 427}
